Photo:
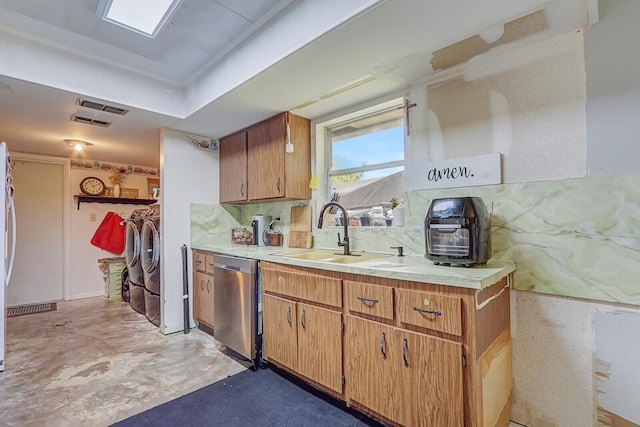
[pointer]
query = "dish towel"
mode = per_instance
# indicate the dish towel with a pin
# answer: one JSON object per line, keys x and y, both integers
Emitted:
{"x": 110, "y": 234}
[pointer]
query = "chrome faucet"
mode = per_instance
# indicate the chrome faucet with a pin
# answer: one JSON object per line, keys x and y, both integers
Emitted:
{"x": 344, "y": 243}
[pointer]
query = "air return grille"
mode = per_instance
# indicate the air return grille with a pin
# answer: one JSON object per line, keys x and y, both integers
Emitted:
{"x": 102, "y": 107}
{"x": 89, "y": 121}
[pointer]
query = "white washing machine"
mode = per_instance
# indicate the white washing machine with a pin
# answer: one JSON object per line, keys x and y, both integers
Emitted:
{"x": 150, "y": 262}
{"x": 132, "y": 257}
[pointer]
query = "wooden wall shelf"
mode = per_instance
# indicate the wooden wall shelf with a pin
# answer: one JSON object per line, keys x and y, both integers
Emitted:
{"x": 121, "y": 200}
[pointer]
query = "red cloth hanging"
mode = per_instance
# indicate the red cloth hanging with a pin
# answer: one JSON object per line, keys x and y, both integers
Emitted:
{"x": 110, "y": 234}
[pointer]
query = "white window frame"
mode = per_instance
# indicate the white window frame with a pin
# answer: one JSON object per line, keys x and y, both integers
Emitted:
{"x": 395, "y": 103}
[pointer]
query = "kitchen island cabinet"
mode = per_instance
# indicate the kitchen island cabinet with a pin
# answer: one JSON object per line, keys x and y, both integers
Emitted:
{"x": 203, "y": 289}
{"x": 254, "y": 164}
{"x": 408, "y": 353}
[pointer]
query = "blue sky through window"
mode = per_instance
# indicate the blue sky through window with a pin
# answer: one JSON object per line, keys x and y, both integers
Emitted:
{"x": 373, "y": 148}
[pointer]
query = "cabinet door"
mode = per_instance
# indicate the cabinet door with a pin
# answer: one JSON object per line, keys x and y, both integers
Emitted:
{"x": 431, "y": 377}
{"x": 233, "y": 167}
{"x": 266, "y": 150}
{"x": 410, "y": 378}
{"x": 203, "y": 298}
{"x": 371, "y": 366}
{"x": 320, "y": 345}
{"x": 280, "y": 331}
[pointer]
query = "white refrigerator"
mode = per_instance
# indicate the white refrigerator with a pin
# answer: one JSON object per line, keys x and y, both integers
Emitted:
{"x": 7, "y": 248}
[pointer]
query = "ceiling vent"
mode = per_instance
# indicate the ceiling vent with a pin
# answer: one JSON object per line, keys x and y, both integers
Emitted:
{"x": 102, "y": 107}
{"x": 89, "y": 121}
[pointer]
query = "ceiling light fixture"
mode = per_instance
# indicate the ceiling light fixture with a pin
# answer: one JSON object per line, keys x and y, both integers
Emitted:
{"x": 77, "y": 144}
{"x": 146, "y": 17}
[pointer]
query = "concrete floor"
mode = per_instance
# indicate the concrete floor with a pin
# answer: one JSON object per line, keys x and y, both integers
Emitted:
{"x": 95, "y": 361}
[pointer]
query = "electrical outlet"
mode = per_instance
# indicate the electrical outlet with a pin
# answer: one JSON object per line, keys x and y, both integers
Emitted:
{"x": 92, "y": 217}
{"x": 417, "y": 231}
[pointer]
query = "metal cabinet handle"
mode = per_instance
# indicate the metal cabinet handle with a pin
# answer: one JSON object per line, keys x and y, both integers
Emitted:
{"x": 202, "y": 284}
{"x": 289, "y": 315}
{"x": 404, "y": 353}
{"x": 198, "y": 262}
{"x": 302, "y": 321}
{"x": 242, "y": 189}
{"x": 422, "y": 310}
{"x": 278, "y": 184}
{"x": 363, "y": 299}
{"x": 208, "y": 283}
{"x": 382, "y": 346}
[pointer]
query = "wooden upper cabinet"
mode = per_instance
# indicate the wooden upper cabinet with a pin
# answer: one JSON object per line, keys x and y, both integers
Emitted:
{"x": 266, "y": 144}
{"x": 265, "y": 168}
{"x": 233, "y": 168}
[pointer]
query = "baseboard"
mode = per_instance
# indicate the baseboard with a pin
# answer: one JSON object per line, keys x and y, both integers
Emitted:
{"x": 174, "y": 328}
{"x": 87, "y": 295}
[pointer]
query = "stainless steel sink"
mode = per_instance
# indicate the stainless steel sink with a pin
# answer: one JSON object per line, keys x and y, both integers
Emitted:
{"x": 332, "y": 255}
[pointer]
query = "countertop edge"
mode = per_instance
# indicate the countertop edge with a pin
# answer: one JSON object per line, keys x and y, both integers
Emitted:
{"x": 413, "y": 268}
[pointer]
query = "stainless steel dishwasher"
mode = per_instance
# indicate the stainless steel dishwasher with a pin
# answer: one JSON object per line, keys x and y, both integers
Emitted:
{"x": 235, "y": 304}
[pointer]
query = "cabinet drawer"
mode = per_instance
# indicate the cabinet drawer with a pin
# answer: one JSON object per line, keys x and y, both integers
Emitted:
{"x": 309, "y": 287}
{"x": 431, "y": 311}
{"x": 369, "y": 299}
{"x": 199, "y": 261}
{"x": 209, "y": 263}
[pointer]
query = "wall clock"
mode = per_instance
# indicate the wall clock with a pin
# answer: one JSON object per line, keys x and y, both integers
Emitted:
{"x": 92, "y": 186}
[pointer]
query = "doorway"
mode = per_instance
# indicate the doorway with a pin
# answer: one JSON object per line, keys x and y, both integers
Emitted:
{"x": 38, "y": 267}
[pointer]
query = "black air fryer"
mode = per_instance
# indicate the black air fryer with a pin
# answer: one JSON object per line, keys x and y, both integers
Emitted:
{"x": 458, "y": 231}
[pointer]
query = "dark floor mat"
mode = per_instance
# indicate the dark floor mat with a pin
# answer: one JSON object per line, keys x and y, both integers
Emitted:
{"x": 263, "y": 397}
{"x": 31, "y": 309}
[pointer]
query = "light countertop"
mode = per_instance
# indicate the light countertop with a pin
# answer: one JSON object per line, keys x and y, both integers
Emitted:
{"x": 409, "y": 267}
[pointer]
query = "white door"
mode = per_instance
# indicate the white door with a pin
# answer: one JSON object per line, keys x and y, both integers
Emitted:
{"x": 38, "y": 270}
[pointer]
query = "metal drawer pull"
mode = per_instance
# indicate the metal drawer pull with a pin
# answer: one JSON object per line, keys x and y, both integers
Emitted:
{"x": 242, "y": 189}
{"x": 404, "y": 353}
{"x": 363, "y": 299}
{"x": 289, "y": 316}
{"x": 382, "y": 346}
{"x": 422, "y": 310}
{"x": 208, "y": 283}
{"x": 202, "y": 284}
{"x": 278, "y": 184}
{"x": 302, "y": 321}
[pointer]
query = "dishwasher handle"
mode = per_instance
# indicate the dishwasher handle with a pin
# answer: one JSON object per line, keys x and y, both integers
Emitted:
{"x": 228, "y": 267}
{"x": 231, "y": 263}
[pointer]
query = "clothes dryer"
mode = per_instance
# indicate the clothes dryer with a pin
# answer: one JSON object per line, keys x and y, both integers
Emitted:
{"x": 150, "y": 262}
{"x": 132, "y": 258}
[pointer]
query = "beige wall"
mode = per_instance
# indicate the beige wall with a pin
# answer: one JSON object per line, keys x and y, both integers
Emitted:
{"x": 85, "y": 277}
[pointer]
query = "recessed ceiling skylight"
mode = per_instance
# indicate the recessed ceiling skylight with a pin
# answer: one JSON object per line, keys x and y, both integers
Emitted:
{"x": 142, "y": 16}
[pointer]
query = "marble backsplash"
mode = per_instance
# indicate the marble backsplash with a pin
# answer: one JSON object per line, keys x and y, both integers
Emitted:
{"x": 573, "y": 237}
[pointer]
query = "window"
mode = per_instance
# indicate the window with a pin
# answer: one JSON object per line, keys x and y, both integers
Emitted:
{"x": 366, "y": 168}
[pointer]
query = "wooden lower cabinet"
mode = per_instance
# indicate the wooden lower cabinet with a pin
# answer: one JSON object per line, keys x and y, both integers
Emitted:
{"x": 305, "y": 339}
{"x": 411, "y": 354}
{"x": 203, "y": 287}
{"x": 371, "y": 366}
{"x": 411, "y": 378}
{"x": 280, "y": 337}
{"x": 320, "y": 345}
{"x": 203, "y": 298}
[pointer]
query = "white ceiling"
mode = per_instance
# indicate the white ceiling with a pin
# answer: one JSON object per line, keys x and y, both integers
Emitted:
{"x": 218, "y": 66}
